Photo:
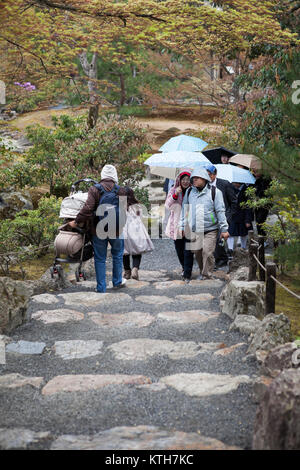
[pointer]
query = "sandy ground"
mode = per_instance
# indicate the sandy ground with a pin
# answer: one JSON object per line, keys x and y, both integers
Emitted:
{"x": 157, "y": 126}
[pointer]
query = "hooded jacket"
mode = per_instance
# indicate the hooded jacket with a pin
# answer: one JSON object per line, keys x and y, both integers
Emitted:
{"x": 199, "y": 211}
{"x": 174, "y": 203}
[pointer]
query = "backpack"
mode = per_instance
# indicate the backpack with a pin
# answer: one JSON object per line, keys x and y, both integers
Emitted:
{"x": 110, "y": 208}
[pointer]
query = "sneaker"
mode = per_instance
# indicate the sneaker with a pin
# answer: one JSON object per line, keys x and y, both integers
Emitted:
{"x": 182, "y": 274}
{"x": 122, "y": 284}
{"x": 127, "y": 274}
{"x": 135, "y": 274}
{"x": 200, "y": 277}
{"x": 187, "y": 280}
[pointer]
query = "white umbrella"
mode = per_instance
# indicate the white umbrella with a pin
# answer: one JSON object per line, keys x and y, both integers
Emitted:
{"x": 170, "y": 164}
{"x": 234, "y": 174}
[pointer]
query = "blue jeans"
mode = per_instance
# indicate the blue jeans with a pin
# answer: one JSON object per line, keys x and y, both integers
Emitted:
{"x": 100, "y": 253}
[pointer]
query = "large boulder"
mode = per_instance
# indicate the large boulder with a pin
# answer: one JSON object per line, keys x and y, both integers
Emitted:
{"x": 279, "y": 358}
{"x": 243, "y": 298}
{"x": 12, "y": 202}
{"x": 273, "y": 331}
{"x": 14, "y": 297}
{"x": 245, "y": 324}
{"x": 277, "y": 422}
{"x": 241, "y": 274}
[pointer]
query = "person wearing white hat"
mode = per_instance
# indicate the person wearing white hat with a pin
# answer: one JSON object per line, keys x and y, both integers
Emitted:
{"x": 108, "y": 187}
{"x": 202, "y": 216}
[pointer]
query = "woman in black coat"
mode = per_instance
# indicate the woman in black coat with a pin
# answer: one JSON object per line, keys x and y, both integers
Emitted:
{"x": 241, "y": 221}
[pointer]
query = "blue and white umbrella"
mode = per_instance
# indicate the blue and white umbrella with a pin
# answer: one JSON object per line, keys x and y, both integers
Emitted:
{"x": 183, "y": 142}
{"x": 234, "y": 174}
{"x": 169, "y": 164}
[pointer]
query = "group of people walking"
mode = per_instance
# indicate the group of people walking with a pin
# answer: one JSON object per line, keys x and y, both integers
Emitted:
{"x": 204, "y": 212}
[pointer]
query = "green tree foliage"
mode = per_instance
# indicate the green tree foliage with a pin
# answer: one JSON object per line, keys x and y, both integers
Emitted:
{"x": 29, "y": 234}
{"x": 71, "y": 151}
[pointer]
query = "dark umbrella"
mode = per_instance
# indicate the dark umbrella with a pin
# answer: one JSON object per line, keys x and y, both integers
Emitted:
{"x": 214, "y": 155}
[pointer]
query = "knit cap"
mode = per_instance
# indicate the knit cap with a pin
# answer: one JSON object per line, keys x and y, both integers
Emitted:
{"x": 109, "y": 172}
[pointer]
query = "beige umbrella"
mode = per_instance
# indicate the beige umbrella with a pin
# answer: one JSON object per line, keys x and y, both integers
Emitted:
{"x": 250, "y": 161}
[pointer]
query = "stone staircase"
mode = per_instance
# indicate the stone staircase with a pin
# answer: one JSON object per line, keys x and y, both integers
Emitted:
{"x": 150, "y": 366}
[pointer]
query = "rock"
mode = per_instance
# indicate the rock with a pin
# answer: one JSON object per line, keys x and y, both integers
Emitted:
{"x": 141, "y": 437}
{"x": 48, "y": 299}
{"x": 240, "y": 259}
{"x": 19, "y": 438}
{"x": 245, "y": 324}
{"x": 195, "y": 297}
{"x": 204, "y": 384}
{"x": 278, "y": 359}
{"x": 243, "y": 298}
{"x": 77, "y": 349}
{"x": 83, "y": 383}
{"x": 141, "y": 349}
{"x": 57, "y": 316}
{"x": 12, "y": 202}
{"x": 93, "y": 299}
{"x": 14, "y": 300}
{"x": 229, "y": 350}
{"x": 274, "y": 330}
{"x": 188, "y": 316}
{"x": 154, "y": 299}
{"x": 17, "y": 380}
{"x": 241, "y": 274}
{"x": 26, "y": 347}
{"x": 126, "y": 320}
{"x": 277, "y": 422}
{"x": 260, "y": 386}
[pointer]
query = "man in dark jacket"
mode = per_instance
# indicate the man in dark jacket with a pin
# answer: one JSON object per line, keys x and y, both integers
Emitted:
{"x": 86, "y": 217}
{"x": 231, "y": 204}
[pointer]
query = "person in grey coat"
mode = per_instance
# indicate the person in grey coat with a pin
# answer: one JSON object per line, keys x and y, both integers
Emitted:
{"x": 202, "y": 217}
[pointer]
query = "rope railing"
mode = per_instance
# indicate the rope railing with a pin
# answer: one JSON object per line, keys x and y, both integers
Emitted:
{"x": 267, "y": 272}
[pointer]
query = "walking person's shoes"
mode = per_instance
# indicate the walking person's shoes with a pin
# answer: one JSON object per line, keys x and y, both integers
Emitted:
{"x": 127, "y": 274}
{"x": 135, "y": 274}
{"x": 122, "y": 284}
{"x": 187, "y": 280}
{"x": 200, "y": 277}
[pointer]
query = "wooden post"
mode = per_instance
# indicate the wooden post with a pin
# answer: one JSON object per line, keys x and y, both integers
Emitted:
{"x": 252, "y": 262}
{"x": 261, "y": 257}
{"x": 250, "y": 236}
{"x": 270, "y": 288}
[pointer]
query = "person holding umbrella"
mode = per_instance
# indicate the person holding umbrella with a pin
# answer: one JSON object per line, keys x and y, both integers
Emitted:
{"x": 231, "y": 207}
{"x": 173, "y": 204}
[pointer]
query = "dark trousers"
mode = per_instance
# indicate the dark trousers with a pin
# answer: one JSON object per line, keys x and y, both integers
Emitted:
{"x": 136, "y": 261}
{"x": 188, "y": 262}
{"x": 179, "y": 247}
{"x": 260, "y": 217}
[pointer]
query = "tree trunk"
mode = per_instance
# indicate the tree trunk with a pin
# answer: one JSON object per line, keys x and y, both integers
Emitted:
{"x": 123, "y": 90}
{"x": 90, "y": 69}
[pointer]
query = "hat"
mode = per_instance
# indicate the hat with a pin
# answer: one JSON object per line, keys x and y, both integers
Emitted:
{"x": 109, "y": 172}
{"x": 184, "y": 173}
{"x": 201, "y": 173}
{"x": 211, "y": 169}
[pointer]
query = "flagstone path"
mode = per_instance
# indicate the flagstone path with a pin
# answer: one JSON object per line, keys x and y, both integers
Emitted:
{"x": 150, "y": 366}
